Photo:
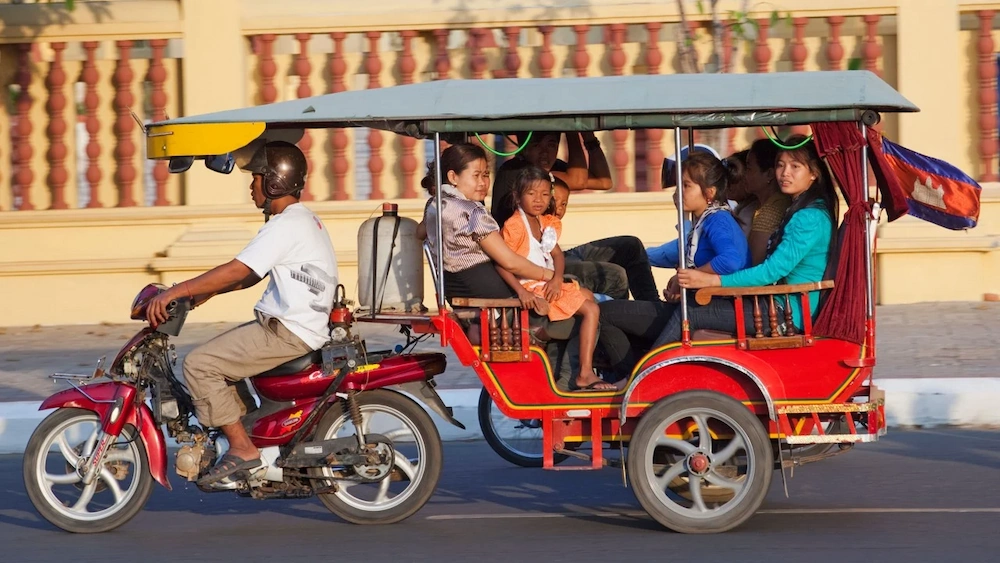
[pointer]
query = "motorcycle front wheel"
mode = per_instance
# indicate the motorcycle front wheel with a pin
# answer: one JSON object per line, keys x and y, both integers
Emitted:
{"x": 418, "y": 458}
{"x": 54, "y": 459}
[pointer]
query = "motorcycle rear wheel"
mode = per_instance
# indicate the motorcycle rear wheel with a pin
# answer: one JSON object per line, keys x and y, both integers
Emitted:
{"x": 412, "y": 480}
{"x": 58, "y": 444}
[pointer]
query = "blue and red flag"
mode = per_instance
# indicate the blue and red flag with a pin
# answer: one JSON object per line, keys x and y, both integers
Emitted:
{"x": 934, "y": 190}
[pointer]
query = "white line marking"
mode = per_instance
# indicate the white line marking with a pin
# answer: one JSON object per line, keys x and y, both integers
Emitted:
{"x": 773, "y": 511}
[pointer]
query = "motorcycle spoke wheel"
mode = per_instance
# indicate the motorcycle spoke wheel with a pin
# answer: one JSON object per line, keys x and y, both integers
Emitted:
{"x": 53, "y": 472}
{"x": 416, "y": 460}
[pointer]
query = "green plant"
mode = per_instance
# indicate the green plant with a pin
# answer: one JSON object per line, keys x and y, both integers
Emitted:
{"x": 742, "y": 26}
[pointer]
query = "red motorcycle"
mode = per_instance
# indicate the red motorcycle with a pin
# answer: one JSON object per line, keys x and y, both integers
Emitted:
{"x": 338, "y": 423}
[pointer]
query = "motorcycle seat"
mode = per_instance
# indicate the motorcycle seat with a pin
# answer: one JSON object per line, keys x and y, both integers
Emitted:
{"x": 295, "y": 366}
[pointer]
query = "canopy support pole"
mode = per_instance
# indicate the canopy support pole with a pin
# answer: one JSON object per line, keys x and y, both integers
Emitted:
{"x": 437, "y": 226}
{"x": 682, "y": 261}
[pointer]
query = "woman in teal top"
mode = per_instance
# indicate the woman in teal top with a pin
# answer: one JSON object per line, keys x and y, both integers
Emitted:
{"x": 800, "y": 251}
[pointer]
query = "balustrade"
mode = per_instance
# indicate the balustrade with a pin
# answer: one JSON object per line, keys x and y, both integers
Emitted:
{"x": 98, "y": 84}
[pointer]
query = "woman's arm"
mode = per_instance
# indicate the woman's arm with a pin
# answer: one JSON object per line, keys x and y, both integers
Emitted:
{"x": 799, "y": 239}
{"x": 528, "y": 299}
{"x": 598, "y": 173}
{"x": 421, "y": 232}
{"x": 576, "y": 173}
{"x": 494, "y": 247}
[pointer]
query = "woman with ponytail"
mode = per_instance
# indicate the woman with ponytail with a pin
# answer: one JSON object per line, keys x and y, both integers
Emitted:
{"x": 715, "y": 244}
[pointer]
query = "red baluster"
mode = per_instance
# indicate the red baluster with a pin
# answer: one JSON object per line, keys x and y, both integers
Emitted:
{"x": 124, "y": 125}
{"x": 373, "y": 65}
{"x": 581, "y": 59}
{"x": 303, "y": 69}
{"x": 987, "y": 98}
{"x": 267, "y": 69}
{"x": 834, "y": 50}
{"x": 799, "y": 51}
{"x": 872, "y": 50}
{"x": 620, "y": 155}
{"x": 727, "y": 64}
{"x": 442, "y": 63}
{"x": 654, "y": 153}
{"x": 157, "y": 75}
{"x": 761, "y": 50}
{"x": 511, "y": 59}
{"x": 798, "y": 56}
{"x": 338, "y": 140}
{"x": 21, "y": 139}
{"x": 546, "y": 60}
{"x": 477, "y": 60}
{"x": 761, "y": 55}
{"x": 56, "y": 131}
{"x": 407, "y": 162}
{"x": 91, "y": 101}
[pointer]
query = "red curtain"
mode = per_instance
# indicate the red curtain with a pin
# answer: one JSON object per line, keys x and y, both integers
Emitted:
{"x": 843, "y": 313}
{"x": 893, "y": 196}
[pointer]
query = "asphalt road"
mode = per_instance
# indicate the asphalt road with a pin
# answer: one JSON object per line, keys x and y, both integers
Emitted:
{"x": 915, "y": 496}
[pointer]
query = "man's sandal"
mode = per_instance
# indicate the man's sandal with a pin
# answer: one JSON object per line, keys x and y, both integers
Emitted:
{"x": 227, "y": 466}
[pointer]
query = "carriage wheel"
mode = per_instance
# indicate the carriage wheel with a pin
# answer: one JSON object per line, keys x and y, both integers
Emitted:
{"x": 517, "y": 441}
{"x": 711, "y": 476}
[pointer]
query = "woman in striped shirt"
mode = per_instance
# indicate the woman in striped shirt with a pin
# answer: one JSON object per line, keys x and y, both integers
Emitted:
{"x": 471, "y": 237}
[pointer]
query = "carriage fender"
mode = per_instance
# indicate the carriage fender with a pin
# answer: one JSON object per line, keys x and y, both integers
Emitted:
{"x": 140, "y": 417}
{"x": 755, "y": 369}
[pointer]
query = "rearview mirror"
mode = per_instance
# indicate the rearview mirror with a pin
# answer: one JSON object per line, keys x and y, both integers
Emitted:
{"x": 180, "y": 164}
{"x": 221, "y": 163}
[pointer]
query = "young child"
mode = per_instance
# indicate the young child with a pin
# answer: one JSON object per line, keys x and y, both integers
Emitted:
{"x": 533, "y": 232}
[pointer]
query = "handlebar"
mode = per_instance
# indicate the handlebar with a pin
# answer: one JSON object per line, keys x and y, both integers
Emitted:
{"x": 177, "y": 311}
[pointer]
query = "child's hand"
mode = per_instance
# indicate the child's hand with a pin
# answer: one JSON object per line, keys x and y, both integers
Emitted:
{"x": 527, "y": 299}
{"x": 672, "y": 293}
{"x": 553, "y": 288}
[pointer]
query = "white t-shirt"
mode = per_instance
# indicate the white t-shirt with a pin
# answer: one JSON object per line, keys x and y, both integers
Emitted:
{"x": 295, "y": 249}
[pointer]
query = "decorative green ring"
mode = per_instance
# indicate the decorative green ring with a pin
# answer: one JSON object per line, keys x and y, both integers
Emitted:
{"x": 782, "y": 146}
{"x": 501, "y": 153}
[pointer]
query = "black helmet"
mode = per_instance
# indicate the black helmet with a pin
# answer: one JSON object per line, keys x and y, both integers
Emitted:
{"x": 283, "y": 167}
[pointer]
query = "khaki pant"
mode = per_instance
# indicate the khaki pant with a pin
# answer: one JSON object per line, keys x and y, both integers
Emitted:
{"x": 242, "y": 352}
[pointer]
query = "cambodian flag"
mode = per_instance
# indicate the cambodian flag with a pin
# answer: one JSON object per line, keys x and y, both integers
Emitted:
{"x": 935, "y": 190}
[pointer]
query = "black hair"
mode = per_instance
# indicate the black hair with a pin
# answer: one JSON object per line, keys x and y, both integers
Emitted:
{"x": 708, "y": 171}
{"x": 455, "y": 158}
{"x": 764, "y": 152}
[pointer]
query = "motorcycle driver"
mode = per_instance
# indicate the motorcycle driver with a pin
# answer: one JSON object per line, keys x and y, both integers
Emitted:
{"x": 292, "y": 316}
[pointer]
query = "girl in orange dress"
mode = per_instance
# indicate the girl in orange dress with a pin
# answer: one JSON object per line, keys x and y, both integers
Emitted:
{"x": 533, "y": 232}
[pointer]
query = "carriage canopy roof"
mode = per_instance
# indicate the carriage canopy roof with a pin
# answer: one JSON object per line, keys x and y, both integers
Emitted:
{"x": 547, "y": 104}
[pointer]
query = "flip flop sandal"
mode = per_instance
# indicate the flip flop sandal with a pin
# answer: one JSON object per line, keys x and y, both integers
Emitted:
{"x": 227, "y": 466}
{"x": 592, "y": 388}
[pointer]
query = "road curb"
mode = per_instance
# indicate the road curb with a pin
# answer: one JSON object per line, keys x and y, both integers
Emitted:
{"x": 930, "y": 402}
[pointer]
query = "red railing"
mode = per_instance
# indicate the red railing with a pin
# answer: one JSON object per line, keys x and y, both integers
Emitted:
{"x": 391, "y": 166}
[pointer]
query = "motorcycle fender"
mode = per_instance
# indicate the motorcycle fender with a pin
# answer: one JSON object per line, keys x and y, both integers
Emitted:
{"x": 141, "y": 418}
{"x": 423, "y": 392}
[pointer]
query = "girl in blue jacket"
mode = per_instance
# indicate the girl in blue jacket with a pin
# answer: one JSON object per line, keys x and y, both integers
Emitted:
{"x": 714, "y": 244}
